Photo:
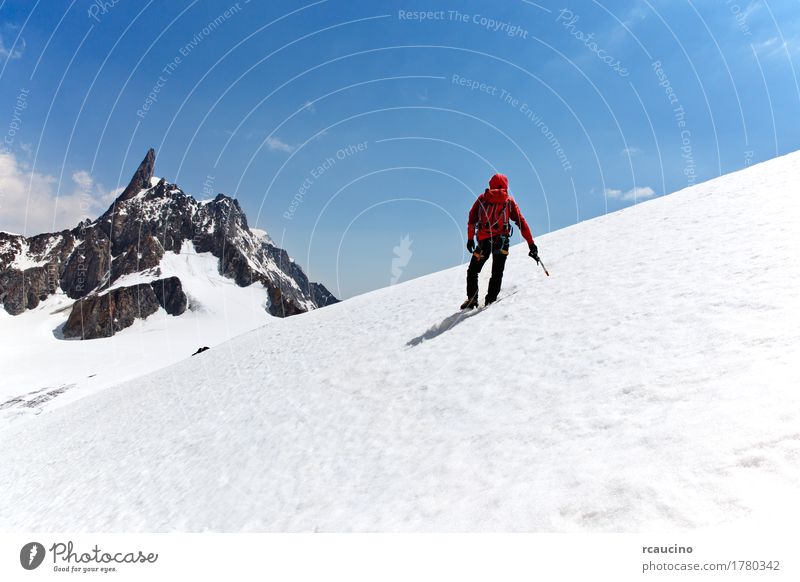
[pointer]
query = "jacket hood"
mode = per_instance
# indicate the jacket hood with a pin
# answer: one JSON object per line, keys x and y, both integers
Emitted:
{"x": 498, "y": 182}
{"x": 495, "y": 196}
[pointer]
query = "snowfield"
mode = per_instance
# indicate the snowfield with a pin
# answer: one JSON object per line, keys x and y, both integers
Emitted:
{"x": 651, "y": 383}
{"x": 41, "y": 372}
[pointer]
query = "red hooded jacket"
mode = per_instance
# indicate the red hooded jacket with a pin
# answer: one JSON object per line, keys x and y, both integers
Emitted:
{"x": 488, "y": 214}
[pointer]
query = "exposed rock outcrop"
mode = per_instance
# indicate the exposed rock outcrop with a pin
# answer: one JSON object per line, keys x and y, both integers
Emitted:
{"x": 170, "y": 295}
{"x": 105, "y": 314}
{"x": 21, "y": 290}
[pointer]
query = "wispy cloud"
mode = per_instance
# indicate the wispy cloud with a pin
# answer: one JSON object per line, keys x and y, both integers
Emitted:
{"x": 30, "y": 202}
{"x": 309, "y": 106}
{"x": 630, "y": 151}
{"x": 628, "y": 20}
{"x": 751, "y": 8}
{"x": 86, "y": 185}
{"x": 637, "y": 193}
{"x": 402, "y": 255}
{"x": 276, "y": 144}
{"x": 14, "y": 52}
{"x": 774, "y": 46}
{"x": 635, "y": 15}
{"x": 767, "y": 45}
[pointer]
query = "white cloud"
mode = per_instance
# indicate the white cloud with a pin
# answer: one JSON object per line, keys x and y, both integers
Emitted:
{"x": 15, "y": 53}
{"x": 83, "y": 180}
{"x": 635, "y": 15}
{"x": 637, "y": 193}
{"x": 768, "y": 44}
{"x": 751, "y": 8}
{"x": 30, "y": 202}
{"x": 774, "y": 46}
{"x": 309, "y": 106}
{"x": 86, "y": 187}
{"x": 630, "y": 151}
{"x": 275, "y": 144}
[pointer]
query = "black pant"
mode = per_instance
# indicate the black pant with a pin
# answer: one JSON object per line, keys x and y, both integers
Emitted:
{"x": 493, "y": 247}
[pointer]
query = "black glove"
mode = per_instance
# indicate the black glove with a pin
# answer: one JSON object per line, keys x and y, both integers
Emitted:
{"x": 471, "y": 245}
{"x": 534, "y": 254}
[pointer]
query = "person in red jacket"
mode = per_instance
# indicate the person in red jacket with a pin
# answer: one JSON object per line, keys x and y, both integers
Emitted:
{"x": 490, "y": 216}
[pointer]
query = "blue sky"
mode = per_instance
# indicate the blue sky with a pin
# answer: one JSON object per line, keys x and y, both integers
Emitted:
{"x": 343, "y": 127}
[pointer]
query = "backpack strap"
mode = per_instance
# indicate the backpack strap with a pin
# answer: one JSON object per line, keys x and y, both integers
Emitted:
{"x": 492, "y": 227}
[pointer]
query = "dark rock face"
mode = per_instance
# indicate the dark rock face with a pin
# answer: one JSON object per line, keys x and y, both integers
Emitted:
{"x": 146, "y": 254}
{"x": 21, "y": 290}
{"x": 87, "y": 268}
{"x": 24, "y": 283}
{"x": 103, "y": 315}
{"x": 321, "y": 296}
{"x": 145, "y": 222}
{"x": 170, "y": 295}
{"x": 141, "y": 179}
{"x": 10, "y": 246}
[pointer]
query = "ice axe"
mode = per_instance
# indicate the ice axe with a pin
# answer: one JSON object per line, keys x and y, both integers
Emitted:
{"x": 539, "y": 262}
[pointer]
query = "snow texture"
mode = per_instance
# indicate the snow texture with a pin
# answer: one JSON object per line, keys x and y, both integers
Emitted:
{"x": 651, "y": 383}
{"x": 42, "y": 371}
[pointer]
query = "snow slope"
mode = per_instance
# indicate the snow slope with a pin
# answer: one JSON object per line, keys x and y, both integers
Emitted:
{"x": 41, "y": 372}
{"x": 650, "y": 383}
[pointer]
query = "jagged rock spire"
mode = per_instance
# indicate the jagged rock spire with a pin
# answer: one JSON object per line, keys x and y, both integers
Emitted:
{"x": 141, "y": 179}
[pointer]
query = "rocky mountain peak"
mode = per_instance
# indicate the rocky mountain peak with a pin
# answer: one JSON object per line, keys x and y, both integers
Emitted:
{"x": 146, "y": 221}
{"x": 141, "y": 178}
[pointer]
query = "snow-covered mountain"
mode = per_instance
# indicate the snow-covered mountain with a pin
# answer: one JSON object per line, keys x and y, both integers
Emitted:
{"x": 650, "y": 383}
{"x": 157, "y": 264}
{"x": 150, "y": 218}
